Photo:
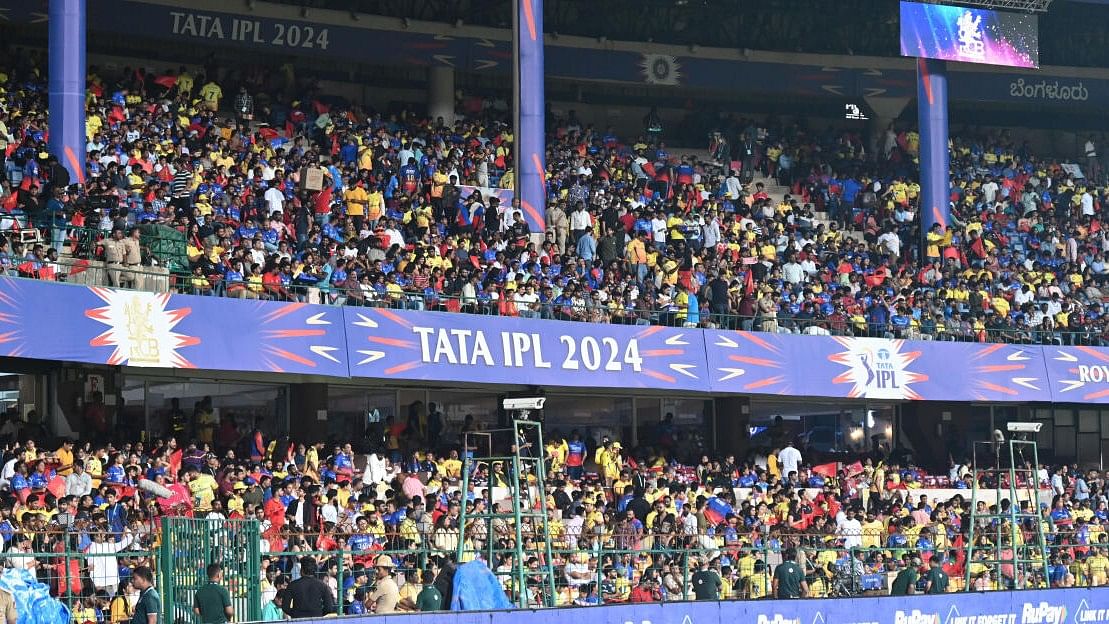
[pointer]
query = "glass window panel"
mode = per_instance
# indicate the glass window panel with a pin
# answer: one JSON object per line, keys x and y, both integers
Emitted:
{"x": 1064, "y": 418}
{"x": 594, "y": 416}
{"x": 1089, "y": 450}
{"x": 1064, "y": 444}
{"x": 1088, "y": 421}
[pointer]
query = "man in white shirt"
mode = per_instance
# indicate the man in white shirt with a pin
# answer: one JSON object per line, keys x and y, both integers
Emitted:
{"x": 275, "y": 200}
{"x": 103, "y": 566}
{"x": 789, "y": 459}
{"x": 79, "y": 482}
{"x": 851, "y": 530}
{"x": 792, "y": 272}
{"x": 891, "y": 242}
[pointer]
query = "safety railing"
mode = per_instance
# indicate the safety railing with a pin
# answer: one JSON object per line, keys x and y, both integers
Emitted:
{"x": 85, "y": 569}
{"x": 315, "y": 285}
{"x": 602, "y": 565}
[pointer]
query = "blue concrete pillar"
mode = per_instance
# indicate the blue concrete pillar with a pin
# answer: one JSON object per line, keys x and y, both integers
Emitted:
{"x": 67, "y": 85}
{"x": 530, "y": 114}
{"x": 931, "y": 80}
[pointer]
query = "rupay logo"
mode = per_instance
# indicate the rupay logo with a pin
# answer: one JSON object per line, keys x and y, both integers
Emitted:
{"x": 1042, "y": 613}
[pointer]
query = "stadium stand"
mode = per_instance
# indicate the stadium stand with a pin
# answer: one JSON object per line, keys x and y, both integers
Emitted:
{"x": 776, "y": 227}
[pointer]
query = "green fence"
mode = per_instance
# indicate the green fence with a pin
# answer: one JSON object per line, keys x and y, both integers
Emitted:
{"x": 190, "y": 545}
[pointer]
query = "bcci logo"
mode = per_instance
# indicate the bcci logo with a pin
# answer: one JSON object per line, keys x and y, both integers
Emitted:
{"x": 660, "y": 69}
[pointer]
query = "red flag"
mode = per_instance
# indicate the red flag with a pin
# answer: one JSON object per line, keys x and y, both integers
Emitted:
{"x": 749, "y": 284}
{"x": 855, "y": 468}
{"x": 166, "y": 81}
{"x": 826, "y": 470}
{"x": 175, "y": 463}
{"x": 56, "y": 486}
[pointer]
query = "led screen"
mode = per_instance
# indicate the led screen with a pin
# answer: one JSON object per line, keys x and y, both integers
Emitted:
{"x": 950, "y": 33}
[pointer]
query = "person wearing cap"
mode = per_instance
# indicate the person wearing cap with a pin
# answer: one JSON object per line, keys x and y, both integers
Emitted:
{"x": 386, "y": 594}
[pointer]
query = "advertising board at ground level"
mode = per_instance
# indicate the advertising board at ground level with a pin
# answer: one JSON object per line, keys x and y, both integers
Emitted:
{"x": 1056, "y": 606}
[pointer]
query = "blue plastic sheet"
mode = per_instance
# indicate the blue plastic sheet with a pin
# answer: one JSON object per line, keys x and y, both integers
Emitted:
{"x": 476, "y": 588}
{"x": 32, "y": 599}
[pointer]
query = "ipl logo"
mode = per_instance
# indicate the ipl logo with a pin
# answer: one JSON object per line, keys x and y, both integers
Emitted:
{"x": 877, "y": 368}
{"x": 971, "y": 44}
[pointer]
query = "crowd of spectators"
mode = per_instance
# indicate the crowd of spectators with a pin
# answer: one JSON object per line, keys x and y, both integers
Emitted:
{"x": 408, "y": 216}
{"x": 380, "y": 520}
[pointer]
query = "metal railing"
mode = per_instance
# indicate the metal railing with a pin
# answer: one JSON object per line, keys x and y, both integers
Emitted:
{"x": 598, "y": 566}
{"x": 82, "y": 245}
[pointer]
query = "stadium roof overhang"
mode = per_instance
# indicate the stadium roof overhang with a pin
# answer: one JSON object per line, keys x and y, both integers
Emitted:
{"x": 1031, "y": 6}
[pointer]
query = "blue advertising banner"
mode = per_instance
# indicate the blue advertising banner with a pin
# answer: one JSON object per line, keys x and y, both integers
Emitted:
{"x": 874, "y": 368}
{"x": 1053, "y": 606}
{"x": 74, "y": 323}
{"x": 51, "y": 321}
{"x": 443, "y": 346}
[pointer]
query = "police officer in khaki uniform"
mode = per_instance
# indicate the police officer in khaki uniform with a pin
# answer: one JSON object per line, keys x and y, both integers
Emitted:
{"x": 114, "y": 252}
{"x": 132, "y": 258}
{"x": 7, "y": 607}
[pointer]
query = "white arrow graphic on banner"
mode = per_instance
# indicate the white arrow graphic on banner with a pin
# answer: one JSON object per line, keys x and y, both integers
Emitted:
{"x": 1071, "y": 384}
{"x": 724, "y": 341}
{"x": 323, "y": 351}
{"x": 371, "y": 356}
{"x": 675, "y": 340}
{"x": 317, "y": 319}
{"x": 732, "y": 373}
{"x": 683, "y": 369}
{"x": 1026, "y": 382}
{"x": 1066, "y": 357}
{"x": 1018, "y": 356}
{"x": 365, "y": 321}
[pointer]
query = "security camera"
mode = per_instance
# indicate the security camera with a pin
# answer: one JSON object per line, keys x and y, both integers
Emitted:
{"x": 1024, "y": 427}
{"x": 524, "y": 403}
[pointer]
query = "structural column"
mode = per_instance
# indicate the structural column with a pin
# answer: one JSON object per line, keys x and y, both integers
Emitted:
{"x": 529, "y": 150}
{"x": 931, "y": 78}
{"x": 440, "y": 94}
{"x": 67, "y": 85}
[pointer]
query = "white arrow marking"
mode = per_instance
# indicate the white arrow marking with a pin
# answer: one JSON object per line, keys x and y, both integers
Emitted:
{"x": 1026, "y": 382}
{"x": 317, "y": 319}
{"x": 819, "y": 617}
{"x": 873, "y": 92}
{"x": 683, "y": 369}
{"x": 39, "y": 18}
{"x": 1018, "y": 356}
{"x": 732, "y": 373}
{"x": 836, "y": 89}
{"x": 675, "y": 340}
{"x": 1072, "y": 384}
{"x": 371, "y": 356}
{"x": 445, "y": 59}
{"x": 954, "y": 611}
{"x": 485, "y": 64}
{"x": 726, "y": 342}
{"x": 366, "y": 321}
{"x": 872, "y": 72}
{"x": 485, "y": 43}
{"x": 443, "y": 38}
{"x": 829, "y": 69}
{"x": 1065, "y": 357}
{"x": 323, "y": 351}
